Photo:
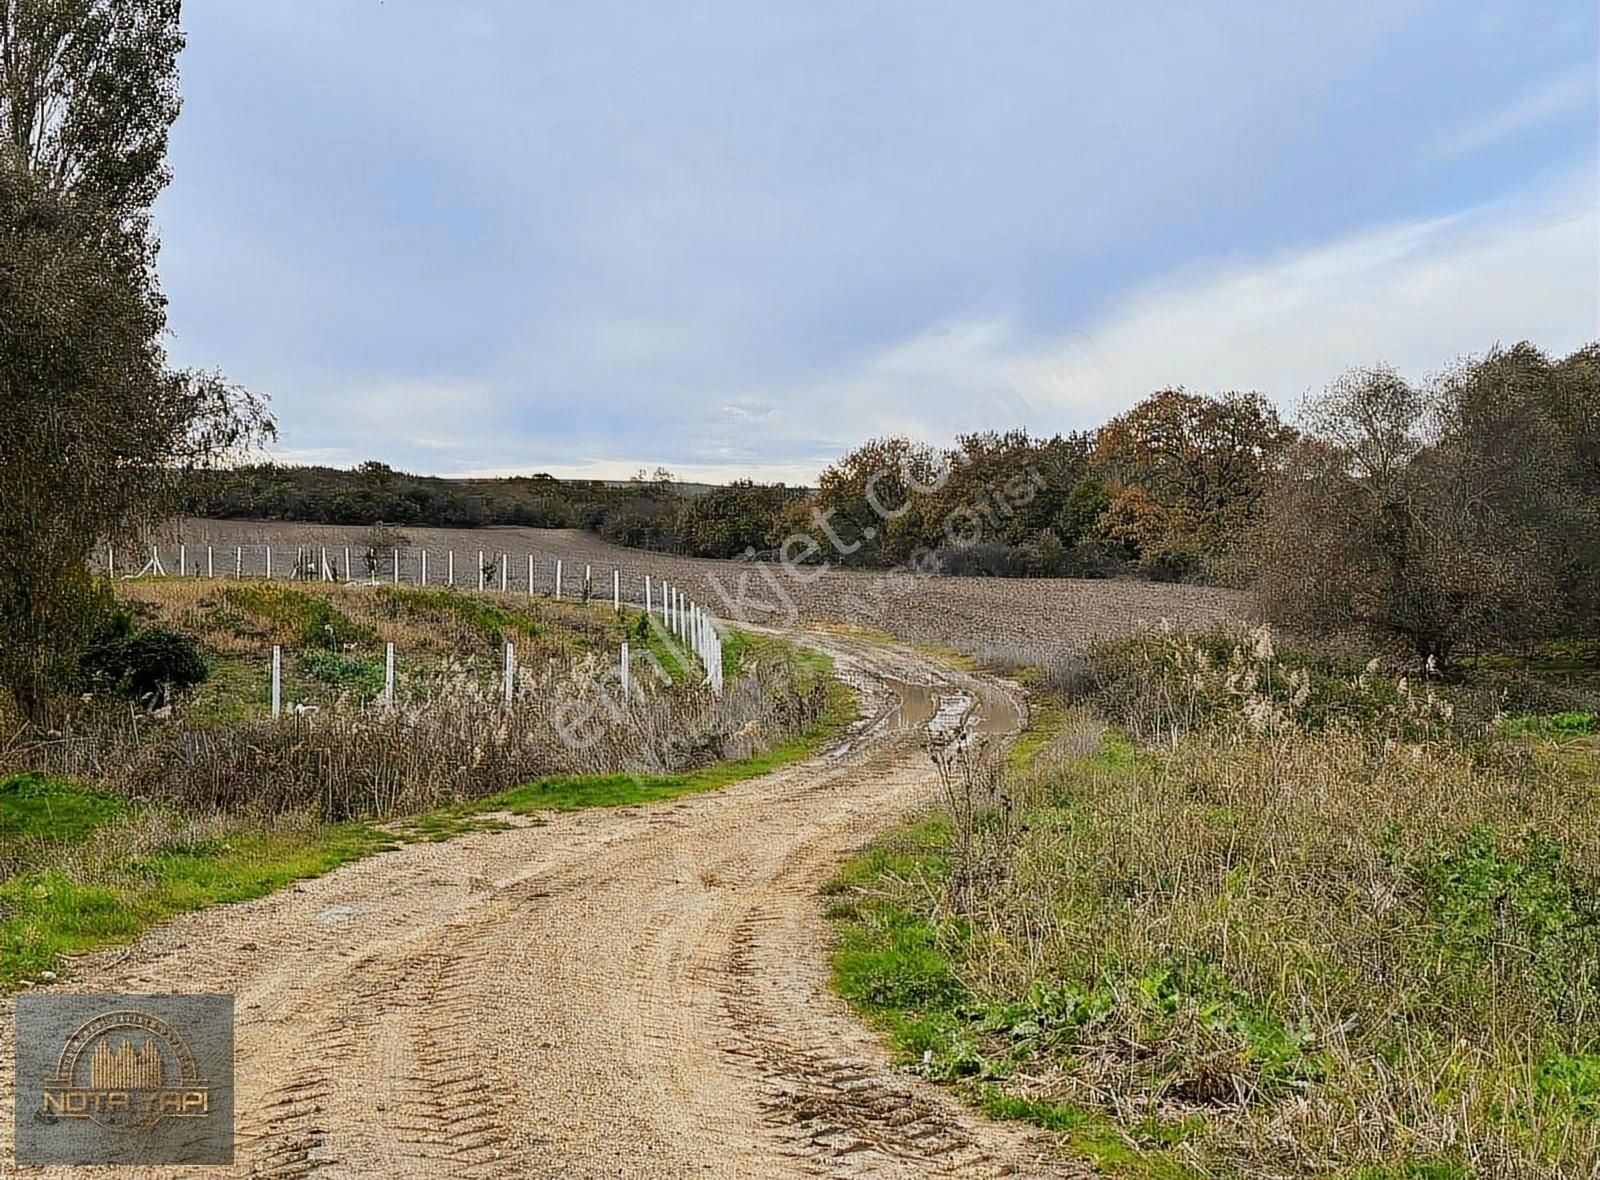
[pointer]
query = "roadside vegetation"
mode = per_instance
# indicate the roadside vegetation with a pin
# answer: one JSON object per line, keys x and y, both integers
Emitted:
{"x": 150, "y": 801}
{"x": 1236, "y": 911}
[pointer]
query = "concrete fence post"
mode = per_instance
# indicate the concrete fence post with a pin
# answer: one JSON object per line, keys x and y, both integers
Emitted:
{"x": 530, "y": 575}
{"x": 624, "y": 669}
{"x": 450, "y": 568}
{"x": 422, "y": 577}
{"x": 616, "y": 591}
{"x": 388, "y": 673}
{"x": 558, "y": 579}
{"x": 269, "y": 562}
{"x": 505, "y": 562}
{"x": 238, "y": 561}
{"x": 277, "y": 680}
{"x": 511, "y": 672}
{"x": 111, "y": 562}
{"x": 647, "y": 597}
{"x": 209, "y": 566}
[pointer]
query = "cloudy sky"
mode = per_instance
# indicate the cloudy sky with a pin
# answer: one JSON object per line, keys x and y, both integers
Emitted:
{"x": 737, "y": 238}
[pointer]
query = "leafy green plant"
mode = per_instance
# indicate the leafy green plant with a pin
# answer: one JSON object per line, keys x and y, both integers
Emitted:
{"x": 344, "y": 671}
{"x": 150, "y": 663}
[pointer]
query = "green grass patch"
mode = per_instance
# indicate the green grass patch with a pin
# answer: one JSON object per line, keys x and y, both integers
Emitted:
{"x": 496, "y": 622}
{"x": 37, "y": 807}
{"x": 49, "y": 914}
{"x": 898, "y": 960}
{"x": 315, "y": 620}
{"x": 1556, "y": 726}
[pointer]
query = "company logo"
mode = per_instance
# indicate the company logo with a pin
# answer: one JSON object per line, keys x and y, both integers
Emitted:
{"x": 127, "y": 1071}
{"x": 124, "y": 1079}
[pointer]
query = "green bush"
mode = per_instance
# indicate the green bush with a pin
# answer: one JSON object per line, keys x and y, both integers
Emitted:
{"x": 344, "y": 671}
{"x": 154, "y": 662}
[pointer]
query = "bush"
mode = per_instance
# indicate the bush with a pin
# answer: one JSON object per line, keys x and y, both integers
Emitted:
{"x": 152, "y": 663}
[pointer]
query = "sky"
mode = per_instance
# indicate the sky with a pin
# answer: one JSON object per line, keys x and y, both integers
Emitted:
{"x": 736, "y": 239}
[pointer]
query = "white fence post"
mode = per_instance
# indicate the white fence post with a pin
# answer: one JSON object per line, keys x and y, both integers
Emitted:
{"x": 423, "y": 576}
{"x": 624, "y": 670}
{"x": 505, "y": 562}
{"x": 269, "y": 562}
{"x": 397, "y": 567}
{"x": 277, "y": 680}
{"x": 558, "y": 579}
{"x": 238, "y": 561}
{"x": 480, "y": 571}
{"x": 183, "y": 560}
{"x": 616, "y": 591}
{"x": 450, "y": 568}
{"x": 647, "y": 597}
{"x": 209, "y": 572}
{"x": 530, "y": 575}
{"x": 511, "y": 673}
{"x": 388, "y": 673}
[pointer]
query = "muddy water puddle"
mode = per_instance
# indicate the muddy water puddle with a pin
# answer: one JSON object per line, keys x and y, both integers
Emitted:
{"x": 942, "y": 709}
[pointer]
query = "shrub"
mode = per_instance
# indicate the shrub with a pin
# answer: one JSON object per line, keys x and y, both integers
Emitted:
{"x": 151, "y": 663}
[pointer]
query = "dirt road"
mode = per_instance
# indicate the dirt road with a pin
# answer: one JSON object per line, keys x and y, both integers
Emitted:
{"x": 631, "y": 993}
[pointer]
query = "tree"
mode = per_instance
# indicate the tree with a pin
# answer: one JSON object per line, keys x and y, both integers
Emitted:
{"x": 1184, "y": 473}
{"x": 1457, "y": 514}
{"x": 96, "y": 433}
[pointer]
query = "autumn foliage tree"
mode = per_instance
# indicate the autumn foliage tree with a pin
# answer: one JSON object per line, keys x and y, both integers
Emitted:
{"x": 1184, "y": 472}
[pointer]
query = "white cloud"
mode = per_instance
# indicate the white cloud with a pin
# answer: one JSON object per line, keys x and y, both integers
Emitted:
{"x": 1560, "y": 96}
{"x": 1413, "y": 294}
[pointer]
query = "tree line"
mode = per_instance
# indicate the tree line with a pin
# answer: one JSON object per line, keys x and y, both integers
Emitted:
{"x": 1459, "y": 512}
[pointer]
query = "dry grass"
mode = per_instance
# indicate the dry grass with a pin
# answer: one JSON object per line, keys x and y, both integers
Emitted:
{"x": 1305, "y": 928}
{"x": 450, "y": 740}
{"x": 449, "y": 735}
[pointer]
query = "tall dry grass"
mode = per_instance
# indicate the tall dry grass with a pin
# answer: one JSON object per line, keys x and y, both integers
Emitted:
{"x": 1319, "y": 917}
{"x": 450, "y": 738}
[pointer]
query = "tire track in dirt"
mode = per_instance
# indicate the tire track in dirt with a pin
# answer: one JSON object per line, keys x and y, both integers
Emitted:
{"x": 639, "y": 992}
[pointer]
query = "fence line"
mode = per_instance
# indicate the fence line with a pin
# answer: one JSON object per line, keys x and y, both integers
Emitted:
{"x": 681, "y": 618}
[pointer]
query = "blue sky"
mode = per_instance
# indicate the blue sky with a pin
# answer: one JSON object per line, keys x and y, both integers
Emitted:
{"x": 736, "y": 239}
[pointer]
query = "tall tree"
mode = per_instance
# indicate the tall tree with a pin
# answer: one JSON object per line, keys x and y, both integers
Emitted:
{"x": 1184, "y": 472}
{"x": 1461, "y": 513}
{"x": 96, "y": 432}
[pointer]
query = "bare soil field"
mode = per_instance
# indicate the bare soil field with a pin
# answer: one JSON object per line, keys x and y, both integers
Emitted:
{"x": 1047, "y": 617}
{"x": 639, "y": 992}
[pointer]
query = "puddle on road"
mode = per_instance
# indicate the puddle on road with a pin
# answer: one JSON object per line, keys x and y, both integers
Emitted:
{"x": 928, "y": 706}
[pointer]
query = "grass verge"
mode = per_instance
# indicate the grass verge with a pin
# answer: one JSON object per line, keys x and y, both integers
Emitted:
{"x": 1322, "y": 924}
{"x": 81, "y": 869}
